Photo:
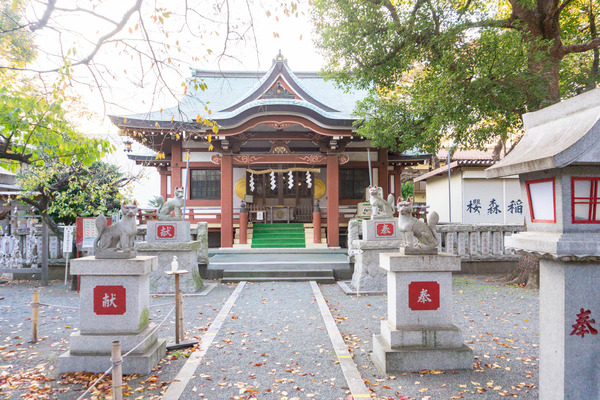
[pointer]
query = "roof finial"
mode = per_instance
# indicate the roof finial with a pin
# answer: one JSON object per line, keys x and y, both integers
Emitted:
{"x": 279, "y": 58}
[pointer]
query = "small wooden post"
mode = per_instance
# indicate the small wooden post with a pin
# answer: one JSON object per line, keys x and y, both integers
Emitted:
{"x": 177, "y": 310}
{"x": 117, "y": 371}
{"x": 180, "y": 306}
{"x": 35, "y": 307}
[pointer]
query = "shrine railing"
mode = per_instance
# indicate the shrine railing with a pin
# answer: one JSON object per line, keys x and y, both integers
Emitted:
{"x": 470, "y": 241}
{"x": 477, "y": 242}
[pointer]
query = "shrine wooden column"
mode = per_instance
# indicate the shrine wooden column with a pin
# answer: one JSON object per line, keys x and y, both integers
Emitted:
{"x": 398, "y": 180}
{"x": 382, "y": 167}
{"x": 163, "y": 181}
{"x": 227, "y": 201}
{"x": 176, "y": 167}
{"x": 333, "y": 201}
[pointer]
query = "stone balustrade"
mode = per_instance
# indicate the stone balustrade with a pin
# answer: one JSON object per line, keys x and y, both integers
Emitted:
{"x": 477, "y": 242}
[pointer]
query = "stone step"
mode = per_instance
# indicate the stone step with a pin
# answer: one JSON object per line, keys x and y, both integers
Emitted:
{"x": 319, "y": 275}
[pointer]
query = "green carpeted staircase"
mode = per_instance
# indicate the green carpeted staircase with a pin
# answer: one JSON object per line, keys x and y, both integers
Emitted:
{"x": 278, "y": 236}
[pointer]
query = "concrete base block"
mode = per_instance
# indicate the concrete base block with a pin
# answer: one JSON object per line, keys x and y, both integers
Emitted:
{"x": 406, "y": 359}
{"x": 187, "y": 257}
{"x": 431, "y": 336}
{"x": 135, "y": 363}
{"x": 98, "y": 344}
{"x": 368, "y": 277}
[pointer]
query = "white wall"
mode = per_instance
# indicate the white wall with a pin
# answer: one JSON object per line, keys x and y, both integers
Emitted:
{"x": 476, "y": 200}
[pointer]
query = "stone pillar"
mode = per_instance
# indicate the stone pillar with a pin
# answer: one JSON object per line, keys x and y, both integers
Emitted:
{"x": 569, "y": 325}
{"x": 419, "y": 333}
{"x": 227, "y": 200}
{"x": 333, "y": 201}
{"x": 113, "y": 305}
{"x": 367, "y": 276}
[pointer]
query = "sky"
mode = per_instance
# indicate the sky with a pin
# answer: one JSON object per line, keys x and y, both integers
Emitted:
{"x": 129, "y": 83}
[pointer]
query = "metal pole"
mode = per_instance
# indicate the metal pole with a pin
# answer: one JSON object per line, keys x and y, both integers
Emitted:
{"x": 35, "y": 307}
{"x": 117, "y": 372}
{"x": 187, "y": 179}
{"x": 44, "y": 253}
{"x": 370, "y": 169}
{"x": 449, "y": 189}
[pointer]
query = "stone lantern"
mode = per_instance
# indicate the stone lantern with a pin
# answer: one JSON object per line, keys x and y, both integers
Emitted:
{"x": 558, "y": 163}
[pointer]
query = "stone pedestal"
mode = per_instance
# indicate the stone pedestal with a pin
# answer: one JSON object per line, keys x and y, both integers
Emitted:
{"x": 569, "y": 325}
{"x": 187, "y": 257}
{"x": 168, "y": 231}
{"x": 113, "y": 301}
{"x": 368, "y": 277}
{"x": 380, "y": 229}
{"x": 419, "y": 333}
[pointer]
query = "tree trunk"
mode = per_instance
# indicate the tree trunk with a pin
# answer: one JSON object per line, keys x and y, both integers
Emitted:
{"x": 527, "y": 273}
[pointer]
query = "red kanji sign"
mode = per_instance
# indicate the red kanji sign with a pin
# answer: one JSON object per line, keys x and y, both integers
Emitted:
{"x": 424, "y": 296}
{"x": 385, "y": 229}
{"x": 584, "y": 324}
{"x": 110, "y": 300}
{"x": 165, "y": 231}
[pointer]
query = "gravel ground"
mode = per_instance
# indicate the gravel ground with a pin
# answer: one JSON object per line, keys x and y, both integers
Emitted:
{"x": 274, "y": 344}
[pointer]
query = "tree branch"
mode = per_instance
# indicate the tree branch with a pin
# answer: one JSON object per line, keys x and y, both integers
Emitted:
{"x": 582, "y": 47}
{"x": 45, "y": 17}
{"x": 119, "y": 26}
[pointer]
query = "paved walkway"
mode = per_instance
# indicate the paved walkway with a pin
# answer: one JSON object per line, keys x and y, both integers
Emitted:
{"x": 295, "y": 346}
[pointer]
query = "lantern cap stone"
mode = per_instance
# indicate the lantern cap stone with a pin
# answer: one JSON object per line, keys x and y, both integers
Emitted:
{"x": 563, "y": 134}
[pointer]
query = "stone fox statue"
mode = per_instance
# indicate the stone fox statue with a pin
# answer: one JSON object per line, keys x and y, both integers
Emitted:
{"x": 425, "y": 233}
{"x": 118, "y": 236}
{"x": 174, "y": 204}
{"x": 380, "y": 207}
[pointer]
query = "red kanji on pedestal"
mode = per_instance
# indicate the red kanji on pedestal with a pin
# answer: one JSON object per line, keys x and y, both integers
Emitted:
{"x": 424, "y": 296}
{"x": 385, "y": 229}
{"x": 110, "y": 300}
{"x": 584, "y": 324}
{"x": 165, "y": 231}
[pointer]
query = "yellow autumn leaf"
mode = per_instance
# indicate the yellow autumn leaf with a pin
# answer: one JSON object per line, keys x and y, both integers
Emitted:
{"x": 210, "y": 148}
{"x": 15, "y": 4}
{"x": 209, "y": 138}
{"x": 156, "y": 124}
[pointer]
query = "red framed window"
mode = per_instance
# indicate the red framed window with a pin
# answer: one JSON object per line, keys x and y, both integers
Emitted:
{"x": 542, "y": 202}
{"x": 585, "y": 200}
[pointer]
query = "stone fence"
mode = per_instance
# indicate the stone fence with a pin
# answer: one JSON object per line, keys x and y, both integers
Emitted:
{"x": 477, "y": 242}
{"x": 481, "y": 247}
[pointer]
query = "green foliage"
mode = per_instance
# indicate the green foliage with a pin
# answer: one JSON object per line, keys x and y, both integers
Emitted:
{"x": 452, "y": 69}
{"x": 35, "y": 130}
{"x": 407, "y": 190}
{"x": 16, "y": 45}
{"x": 75, "y": 190}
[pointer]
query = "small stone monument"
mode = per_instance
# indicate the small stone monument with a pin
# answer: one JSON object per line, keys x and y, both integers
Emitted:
{"x": 113, "y": 305}
{"x": 558, "y": 163}
{"x": 419, "y": 333}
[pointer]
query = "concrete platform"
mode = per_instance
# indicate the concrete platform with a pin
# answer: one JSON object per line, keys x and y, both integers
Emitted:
{"x": 392, "y": 361}
{"x": 278, "y": 264}
{"x": 135, "y": 363}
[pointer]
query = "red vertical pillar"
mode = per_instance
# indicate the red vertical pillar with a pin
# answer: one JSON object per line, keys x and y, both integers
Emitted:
{"x": 333, "y": 201}
{"x": 243, "y": 227}
{"x": 382, "y": 167}
{"x": 163, "y": 182}
{"x": 227, "y": 200}
{"x": 176, "y": 166}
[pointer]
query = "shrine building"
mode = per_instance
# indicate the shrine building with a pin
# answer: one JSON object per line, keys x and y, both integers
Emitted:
{"x": 285, "y": 139}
